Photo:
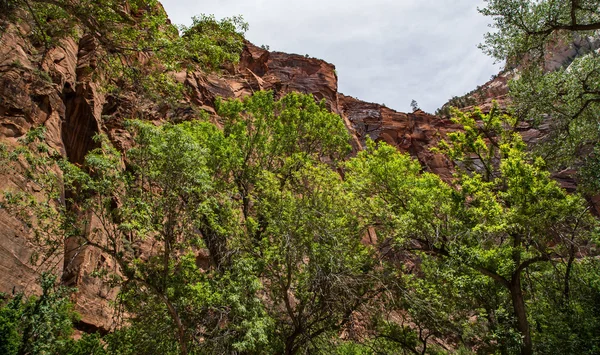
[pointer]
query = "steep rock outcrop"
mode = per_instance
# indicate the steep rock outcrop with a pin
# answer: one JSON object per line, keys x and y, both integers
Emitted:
{"x": 414, "y": 133}
{"x": 60, "y": 96}
{"x": 27, "y": 99}
{"x": 260, "y": 69}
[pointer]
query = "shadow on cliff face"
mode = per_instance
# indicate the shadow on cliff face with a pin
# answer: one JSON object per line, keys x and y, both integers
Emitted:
{"x": 78, "y": 130}
{"x": 80, "y": 126}
{"x": 82, "y": 105}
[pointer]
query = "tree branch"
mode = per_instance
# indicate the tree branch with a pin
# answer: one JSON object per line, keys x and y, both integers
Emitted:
{"x": 530, "y": 262}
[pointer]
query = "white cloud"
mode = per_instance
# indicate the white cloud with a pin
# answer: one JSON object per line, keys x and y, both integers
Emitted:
{"x": 385, "y": 51}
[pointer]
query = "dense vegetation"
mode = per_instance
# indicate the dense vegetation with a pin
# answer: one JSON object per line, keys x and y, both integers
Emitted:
{"x": 493, "y": 262}
{"x": 263, "y": 235}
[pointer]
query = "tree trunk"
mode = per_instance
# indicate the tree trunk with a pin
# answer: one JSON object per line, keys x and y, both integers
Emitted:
{"x": 291, "y": 347}
{"x": 518, "y": 301}
{"x": 566, "y": 292}
{"x": 181, "y": 337}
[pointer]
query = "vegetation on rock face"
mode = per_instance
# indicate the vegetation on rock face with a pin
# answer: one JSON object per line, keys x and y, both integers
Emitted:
{"x": 138, "y": 47}
{"x": 42, "y": 325}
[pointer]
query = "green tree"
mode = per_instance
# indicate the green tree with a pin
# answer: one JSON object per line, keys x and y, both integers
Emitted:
{"x": 299, "y": 220}
{"x": 278, "y": 136}
{"x": 411, "y": 212}
{"x": 527, "y": 34}
{"x": 162, "y": 199}
{"x": 168, "y": 194}
{"x": 526, "y": 27}
{"x": 184, "y": 188}
{"x": 505, "y": 216}
{"x": 511, "y": 203}
{"x": 318, "y": 271}
{"x": 44, "y": 324}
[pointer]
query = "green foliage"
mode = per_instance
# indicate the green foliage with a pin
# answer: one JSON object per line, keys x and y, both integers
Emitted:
{"x": 263, "y": 236}
{"x": 138, "y": 48}
{"x": 505, "y": 218}
{"x": 167, "y": 195}
{"x": 481, "y": 135}
{"x": 10, "y": 339}
{"x": 263, "y": 147}
{"x": 88, "y": 344}
{"x": 528, "y": 33}
{"x": 312, "y": 256}
{"x": 295, "y": 125}
{"x": 570, "y": 327}
{"x": 526, "y": 27}
{"x": 520, "y": 220}
{"x": 42, "y": 325}
{"x": 191, "y": 186}
{"x": 8, "y": 6}
{"x": 222, "y": 310}
{"x": 456, "y": 102}
{"x": 590, "y": 171}
{"x": 567, "y": 101}
{"x": 400, "y": 199}
{"x": 211, "y": 43}
{"x": 278, "y": 136}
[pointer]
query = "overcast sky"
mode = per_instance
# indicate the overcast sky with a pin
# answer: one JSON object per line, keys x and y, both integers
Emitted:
{"x": 385, "y": 51}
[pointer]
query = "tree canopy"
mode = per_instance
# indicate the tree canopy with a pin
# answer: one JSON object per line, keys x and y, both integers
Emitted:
{"x": 528, "y": 34}
{"x": 264, "y": 236}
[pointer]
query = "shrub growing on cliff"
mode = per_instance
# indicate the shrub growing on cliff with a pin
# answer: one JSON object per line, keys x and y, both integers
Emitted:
{"x": 135, "y": 45}
{"x": 44, "y": 324}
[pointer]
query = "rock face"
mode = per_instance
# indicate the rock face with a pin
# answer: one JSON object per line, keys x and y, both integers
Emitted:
{"x": 415, "y": 133}
{"x": 61, "y": 97}
{"x": 263, "y": 70}
{"x": 26, "y": 101}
